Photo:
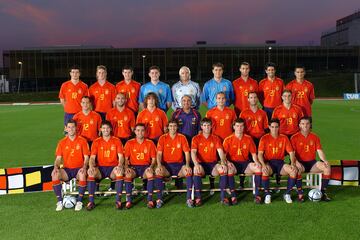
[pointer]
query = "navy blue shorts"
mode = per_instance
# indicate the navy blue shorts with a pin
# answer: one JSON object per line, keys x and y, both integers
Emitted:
{"x": 105, "y": 171}
{"x": 208, "y": 167}
{"x": 269, "y": 112}
{"x": 308, "y": 164}
{"x": 241, "y": 166}
{"x": 139, "y": 169}
{"x": 67, "y": 117}
{"x": 276, "y": 166}
{"x": 173, "y": 168}
{"x": 71, "y": 172}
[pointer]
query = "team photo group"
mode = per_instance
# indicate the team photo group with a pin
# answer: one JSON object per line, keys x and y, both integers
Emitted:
{"x": 122, "y": 132}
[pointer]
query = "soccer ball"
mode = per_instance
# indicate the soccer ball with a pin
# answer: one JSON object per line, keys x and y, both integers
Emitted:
{"x": 69, "y": 202}
{"x": 315, "y": 195}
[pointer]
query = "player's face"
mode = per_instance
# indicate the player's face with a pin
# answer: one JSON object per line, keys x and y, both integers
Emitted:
{"x": 75, "y": 74}
{"x": 127, "y": 73}
{"x": 172, "y": 128}
{"x": 253, "y": 99}
{"x": 274, "y": 128}
{"x": 120, "y": 100}
{"x": 85, "y": 104}
{"x": 71, "y": 129}
{"x": 101, "y": 74}
{"x": 286, "y": 97}
{"x": 305, "y": 125}
{"x": 206, "y": 128}
{"x": 150, "y": 102}
{"x": 139, "y": 132}
{"x": 244, "y": 70}
{"x": 270, "y": 71}
{"x": 184, "y": 75}
{"x": 239, "y": 128}
{"x": 154, "y": 74}
{"x": 220, "y": 100}
{"x": 105, "y": 130}
{"x": 186, "y": 103}
{"x": 299, "y": 73}
{"x": 218, "y": 72}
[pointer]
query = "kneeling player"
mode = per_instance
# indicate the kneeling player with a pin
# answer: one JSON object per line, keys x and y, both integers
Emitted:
{"x": 306, "y": 144}
{"x": 140, "y": 158}
{"x": 170, "y": 161}
{"x": 271, "y": 155}
{"x": 106, "y": 161}
{"x": 74, "y": 152}
{"x": 204, "y": 149}
{"x": 237, "y": 148}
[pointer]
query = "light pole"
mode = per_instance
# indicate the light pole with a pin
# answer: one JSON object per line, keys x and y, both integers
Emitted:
{"x": 269, "y": 55}
{"x": 20, "y": 75}
{"x": 143, "y": 62}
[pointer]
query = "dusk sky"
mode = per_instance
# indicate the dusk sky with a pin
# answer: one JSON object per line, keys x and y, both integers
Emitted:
{"x": 166, "y": 23}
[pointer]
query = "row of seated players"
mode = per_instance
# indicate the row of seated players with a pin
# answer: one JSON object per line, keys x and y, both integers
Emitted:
{"x": 140, "y": 158}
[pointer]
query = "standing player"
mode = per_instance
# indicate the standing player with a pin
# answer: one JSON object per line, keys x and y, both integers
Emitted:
{"x": 306, "y": 144}
{"x": 185, "y": 87}
{"x": 122, "y": 118}
{"x": 271, "y": 155}
{"x": 130, "y": 88}
{"x": 242, "y": 87}
{"x": 102, "y": 93}
{"x": 237, "y": 148}
{"x": 106, "y": 161}
{"x": 72, "y": 152}
{"x": 215, "y": 85}
{"x": 71, "y": 93}
{"x": 204, "y": 149}
{"x": 289, "y": 115}
{"x": 140, "y": 159}
{"x": 154, "y": 118}
{"x": 88, "y": 122}
{"x": 302, "y": 90}
{"x": 161, "y": 89}
{"x": 270, "y": 90}
{"x": 170, "y": 161}
{"x": 188, "y": 118}
{"x": 222, "y": 117}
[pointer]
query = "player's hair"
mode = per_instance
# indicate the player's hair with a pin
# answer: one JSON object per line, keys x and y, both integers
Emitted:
{"x": 270, "y": 64}
{"x": 218, "y": 64}
{"x": 205, "y": 120}
{"x": 245, "y": 64}
{"x": 106, "y": 122}
{"x": 306, "y": 119}
{"x": 299, "y": 66}
{"x": 73, "y": 67}
{"x": 72, "y": 121}
{"x": 238, "y": 120}
{"x": 274, "y": 120}
{"x": 286, "y": 91}
{"x": 101, "y": 67}
{"x": 86, "y": 97}
{"x": 221, "y": 92}
{"x": 186, "y": 95}
{"x": 252, "y": 92}
{"x": 139, "y": 125}
{"x": 127, "y": 67}
{"x": 173, "y": 121}
{"x": 154, "y": 67}
{"x": 187, "y": 69}
{"x": 151, "y": 95}
{"x": 122, "y": 93}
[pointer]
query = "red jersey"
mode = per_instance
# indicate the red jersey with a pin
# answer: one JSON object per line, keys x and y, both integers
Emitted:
{"x": 140, "y": 153}
{"x": 305, "y": 147}
{"x": 173, "y": 148}
{"x": 271, "y": 92}
{"x": 241, "y": 91}
{"x": 206, "y": 147}
{"x": 88, "y": 125}
{"x": 102, "y": 96}
{"x": 123, "y": 122}
{"x": 131, "y": 92}
{"x": 289, "y": 118}
{"x": 72, "y": 94}
{"x": 303, "y": 95}
{"x": 106, "y": 152}
{"x": 238, "y": 149}
{"x": 155, "y": 122}
{"x": 274, "y": 148}
{"x": 255, "y": 122}
{"x": 221, "y": 121}
{"x": 73, "y": 152}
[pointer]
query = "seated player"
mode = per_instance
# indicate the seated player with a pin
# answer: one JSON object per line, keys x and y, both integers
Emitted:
{"x": 140, "y": 159}
{"x": 271, "y": 155}
{"x": 106, "y": 161}
{"x": 170, "y": 161}
{"x": 237, "y": 148}
{"x": 306, "y": 144}
{"x": 204, "y": 149}
{"x": 154, "y": 118}
{"x": 72, "y": 153}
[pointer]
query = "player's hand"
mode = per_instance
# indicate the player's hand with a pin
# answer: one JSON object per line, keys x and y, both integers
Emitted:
{"x": 326, "y": 163}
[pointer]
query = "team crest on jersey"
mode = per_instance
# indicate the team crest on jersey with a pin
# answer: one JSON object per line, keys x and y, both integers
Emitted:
{"x": 240, "y": 87}
{"x": 216, "y": 117}
{"x": 115, "y": 118}
{"x": 311, "y": 142}
{"x": 301, "y": 143}
{"x": 167, "y": 145}
{"x": 145, "y": 150}
{"x": 106, "y": 92}
{"x": 277, "y": 88}
{"x": 211, "y": 145}
{"x": 178, "y": 145}
{"x": 67, "y": 147}
{"x": 251, "y": 88}
{"x": 125, "y": 118}
{"x": 101, "y": 148}
{"x": 96, "y": 92}
{"x": 192, "y": 91}
{"x": 244, "y": 146}
{"x": 227, "y": 116}
{"x": 77, "y": 146}
{"x": 234, "y": 146}
{"x": 200, "y": 144}
{"x": 283, "y": 116}
{"x": 160, "y": 90}
{"x": 145, "y": 119}
{"x": 294, "y": 115}
{"x": 112, "y": 147}
{"x": 157, "y": 119}
{"x": 306, "y": 90}
{"x": 267, "y": 88}
{"x": 133, "y": 90}
{"x": 259, "y": 119}
{"x": 224, "y": 88}
{"x": 91, "y": 121}
{"x": 69, "y": 90}
{"x": 134, "y": 150}
{"x": 280, "y": 145}
{"x": 79, "y": 91}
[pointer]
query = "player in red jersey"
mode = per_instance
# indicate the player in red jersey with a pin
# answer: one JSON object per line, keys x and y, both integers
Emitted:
{"x": 88, "y": 122}
{"x": 171, "y": 148}
{"x": 72, "y": 157}
{"x": 102, "y": 93}
{"x": 270, "y": 89}
{"x": 242, "y": 87}
{"x": 204, "y": 149}
{"x": 122, "y": 118}
{"x": 222, "y": 117}
{"x": 237, "y": 148}
{"x": 71, "y": 93}
{"x": 140, "y": 160}
{"x": 130, "y": 88}
{"x": 271, "y": 153}
{"x": 289, "y": 115}
{"x": 303, "y": 93}
{"x": 306, "y": 144}
{"x": 154, "y": 118}
{"x": 106, "y": 161}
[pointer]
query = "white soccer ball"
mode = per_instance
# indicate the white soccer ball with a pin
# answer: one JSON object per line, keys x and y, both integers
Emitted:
{"x": 315, "y": 195}
{"x": 69, "y": 202}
